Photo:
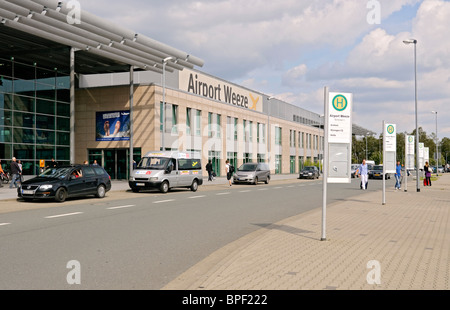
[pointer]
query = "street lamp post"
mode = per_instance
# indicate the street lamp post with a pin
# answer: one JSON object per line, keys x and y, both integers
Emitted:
{"x": 437, "y": 141}
{"x": 164, "y": 103}
{"x": 414, "y": 41}
{"x": 268, "y": 129}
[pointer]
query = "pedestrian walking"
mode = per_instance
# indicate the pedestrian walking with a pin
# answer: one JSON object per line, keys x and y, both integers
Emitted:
{"x": 229, "y": 169}
{"x": 398, "y": 175}
{"x": 19, "y": 162}
{"x": 53, "y": 164}
{"x": 15, "y": 172}
{"x": 362, "y": 171}
{"x": 2, "y": 173}
{"x": 427, "y": 171}
{"x": 209, "y": 168}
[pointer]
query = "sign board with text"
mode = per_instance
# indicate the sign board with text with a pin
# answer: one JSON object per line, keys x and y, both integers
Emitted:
{"x": 409, "y": 151}
{"x": 339, "y": 134}
{"x": 390, "y": 147}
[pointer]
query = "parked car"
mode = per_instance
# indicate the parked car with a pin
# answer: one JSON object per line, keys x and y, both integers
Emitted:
{"x": 67, "y": 181}
{"x": 252, "y": 173}
{"x": 376, "y": 172}
{"x": 309, "y": 172}
{"x": 354, "y": 168}
{"x": 440, "y": 169}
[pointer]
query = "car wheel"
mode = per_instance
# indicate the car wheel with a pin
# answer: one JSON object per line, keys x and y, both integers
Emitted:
{"x": 101, "y": 191}
{"x": 164, "y": 188}
{"x": 256, "y": 181}
{"x": 194, "y": 186}
{"x": 60, "y": 195}
{"x": 267, "y": 180}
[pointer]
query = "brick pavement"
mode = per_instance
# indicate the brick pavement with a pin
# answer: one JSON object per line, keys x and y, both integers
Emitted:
{"x": 409, "y": 237}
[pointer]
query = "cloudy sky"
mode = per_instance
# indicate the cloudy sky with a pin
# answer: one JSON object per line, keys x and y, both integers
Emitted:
{"x": 292, "y": 49}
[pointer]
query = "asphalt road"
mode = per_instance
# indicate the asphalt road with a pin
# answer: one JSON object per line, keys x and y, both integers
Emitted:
{"x": 143, "y": 240}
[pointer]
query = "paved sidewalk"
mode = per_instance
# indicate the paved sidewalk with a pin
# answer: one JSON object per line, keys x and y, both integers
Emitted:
{"x": 409, "y": 237}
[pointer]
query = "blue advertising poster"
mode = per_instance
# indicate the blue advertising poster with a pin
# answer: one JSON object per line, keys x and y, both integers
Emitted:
{"x": 113, "y": 126}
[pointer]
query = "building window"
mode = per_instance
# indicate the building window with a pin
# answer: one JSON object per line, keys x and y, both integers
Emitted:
{"x": 210, "y": 125}
{"x": 232, "y": 157}
{"x": 245, "y": 131}
{"x": 261, "y": 158}
{"x": 278, "y": 131}
{"x": 188, "y": 121}
{"x": 218, "y": 126}
{"x": 250, "y": 131}
{"x": 278, "y": 164}
{"x": 292, "y": 164}
{"x": 247, "y": 157}
{"x": 235, "y": 129}
{"x": 34, "y": 115}
{"x": 171, "y": 118}
{"x": 198, "y": 122}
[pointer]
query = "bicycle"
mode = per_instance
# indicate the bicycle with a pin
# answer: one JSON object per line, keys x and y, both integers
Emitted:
{"x": 5, "y": 178}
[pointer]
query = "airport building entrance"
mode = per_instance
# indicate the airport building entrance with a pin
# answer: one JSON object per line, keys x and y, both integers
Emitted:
{"x": 115, "y": 161}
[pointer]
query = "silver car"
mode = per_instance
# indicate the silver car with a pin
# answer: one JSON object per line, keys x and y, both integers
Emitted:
{"x": 252, "y": 173}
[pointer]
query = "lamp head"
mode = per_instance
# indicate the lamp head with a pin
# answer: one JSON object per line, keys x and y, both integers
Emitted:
{"x": 410, "y": 41}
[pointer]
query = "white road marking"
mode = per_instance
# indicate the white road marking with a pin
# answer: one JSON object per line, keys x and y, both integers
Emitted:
{"x": 121, "y": 207}
{"x": 223, "y": 193}
{"x": 263, "y": 189}
{"x": 5, "y": 224}
{"x": 63, "y": 215}
{"x": 195, "y": 197}
{"x": 246, "y": 191}
{"x": 163, "y": 201}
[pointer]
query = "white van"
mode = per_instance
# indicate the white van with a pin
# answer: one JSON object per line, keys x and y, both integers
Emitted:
{"x": 167, "y": 169}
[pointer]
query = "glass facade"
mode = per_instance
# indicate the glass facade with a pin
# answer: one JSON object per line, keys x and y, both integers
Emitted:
{"x": 34, "y": 114}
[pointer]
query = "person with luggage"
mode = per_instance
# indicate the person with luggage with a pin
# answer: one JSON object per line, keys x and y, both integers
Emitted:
{"x": 362, "y": 172}
{"x": 427, "y": 171}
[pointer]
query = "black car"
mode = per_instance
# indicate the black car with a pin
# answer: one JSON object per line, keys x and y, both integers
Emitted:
{"x": 67, "y": 181}
{"x": 309, "y": 172}
{"x": 377, "y": 173}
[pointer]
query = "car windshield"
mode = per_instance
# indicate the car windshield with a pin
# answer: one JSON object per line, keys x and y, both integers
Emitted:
{"x": 56, "y": 173}
{"x": 309, "y": 168}
{"x": 247, "y": 167}
{"x": 153, "y": 163}
{"x": 380, "y": 168}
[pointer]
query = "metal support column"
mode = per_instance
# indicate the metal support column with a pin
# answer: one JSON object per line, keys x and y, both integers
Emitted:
{"x": 72, "y": 106}
{"x": 131, "y": 119}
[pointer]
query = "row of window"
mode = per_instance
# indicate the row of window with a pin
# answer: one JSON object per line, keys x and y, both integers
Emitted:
{"x": 310, "y": 141}
{"x": 193, "y": 127}
{"x": 34, "y": 105}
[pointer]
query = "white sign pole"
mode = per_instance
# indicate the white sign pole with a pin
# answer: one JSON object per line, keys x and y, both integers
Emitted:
{"x": 325, "y": 167}
{"x": 384, "y": 164}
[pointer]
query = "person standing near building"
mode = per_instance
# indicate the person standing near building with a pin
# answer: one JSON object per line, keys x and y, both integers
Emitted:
{"x": 363, "y": 174}
{"x": 228, "y": 171}
{"x": 398, "y": 175}
{"x": 210, "y": 170}
{"x": 15, "y": 172}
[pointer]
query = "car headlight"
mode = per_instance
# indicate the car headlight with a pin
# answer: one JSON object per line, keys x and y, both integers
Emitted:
{"x": 45, "y": 187}
{"x": 153, "y": 179}
{"x": 131, "y": 179}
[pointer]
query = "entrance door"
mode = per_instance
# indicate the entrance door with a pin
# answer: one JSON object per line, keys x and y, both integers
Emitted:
{"x": 115, "y": 161}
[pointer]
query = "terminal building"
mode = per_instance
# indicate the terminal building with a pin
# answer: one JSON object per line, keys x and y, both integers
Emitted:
{"x": 84, "y": 89}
